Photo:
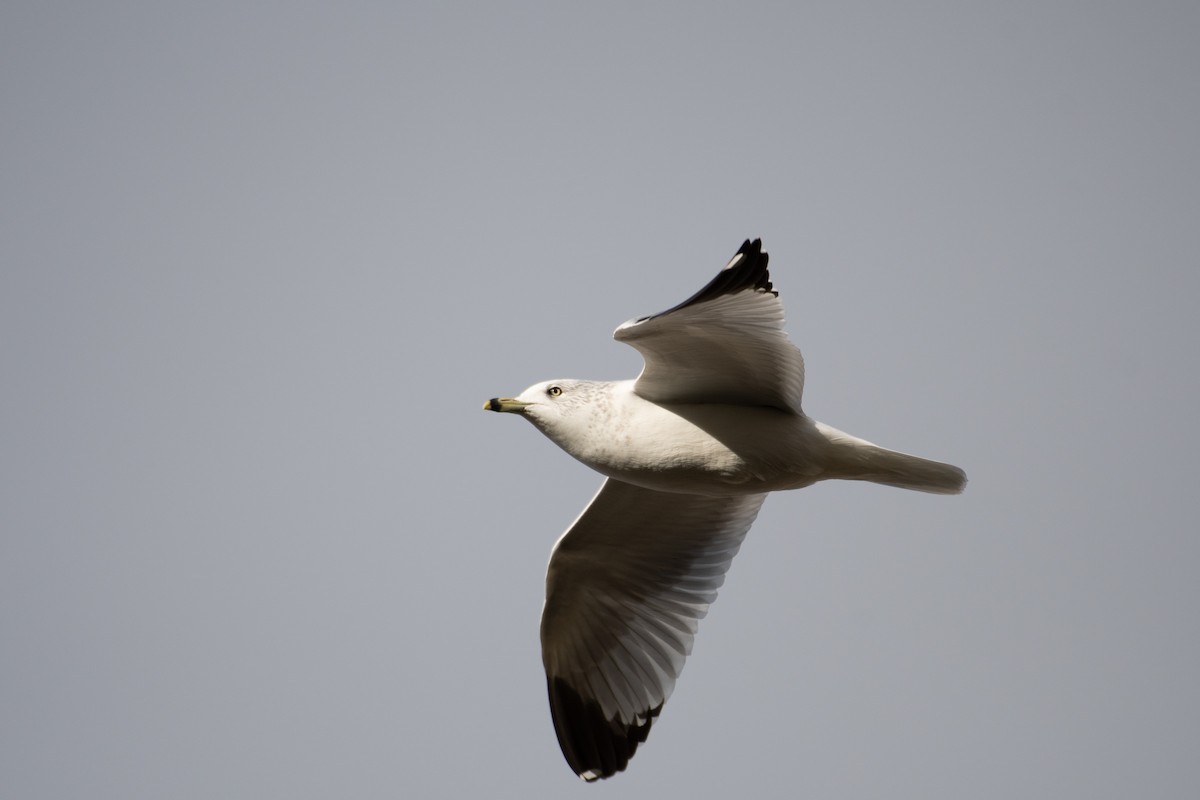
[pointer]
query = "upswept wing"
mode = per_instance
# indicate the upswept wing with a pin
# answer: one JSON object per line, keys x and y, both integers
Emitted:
{"x": 725, "y": 344}
{"x": 626, "y": 588}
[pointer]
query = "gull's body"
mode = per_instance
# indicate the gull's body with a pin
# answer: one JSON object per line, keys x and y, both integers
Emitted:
{"x": 690, "y": 450}
{"x": 709, "y": 448}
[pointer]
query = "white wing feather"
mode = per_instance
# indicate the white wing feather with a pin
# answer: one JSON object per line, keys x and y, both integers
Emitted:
{"x": 626, "y": 588}
{"x": 726, "y": 344}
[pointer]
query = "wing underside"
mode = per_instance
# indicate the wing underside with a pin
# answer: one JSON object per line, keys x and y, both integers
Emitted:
{"x": 725, "y": 344}
{"x": 625, "y": 590}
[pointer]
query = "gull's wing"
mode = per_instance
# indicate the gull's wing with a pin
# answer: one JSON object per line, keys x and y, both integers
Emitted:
{"x": 626, "y": 587}
{"x": 723, "y": 345}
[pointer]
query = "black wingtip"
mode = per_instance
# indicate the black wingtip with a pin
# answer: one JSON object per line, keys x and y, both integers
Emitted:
{"x": 749, "y": 265}
{"x": 747, "y": 270}
{"x": 595, "y": 747}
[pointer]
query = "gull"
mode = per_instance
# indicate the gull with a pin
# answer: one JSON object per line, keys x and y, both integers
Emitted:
{"x": 689, "y": 450}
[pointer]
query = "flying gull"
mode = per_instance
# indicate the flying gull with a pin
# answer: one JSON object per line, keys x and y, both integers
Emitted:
{"x": 689, "y": 451}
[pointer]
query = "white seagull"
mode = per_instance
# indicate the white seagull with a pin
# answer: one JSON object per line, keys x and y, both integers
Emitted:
{"x": 689, "y": 451}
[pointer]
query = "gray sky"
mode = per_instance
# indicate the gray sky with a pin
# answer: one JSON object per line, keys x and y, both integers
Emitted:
{"x": 261, "y": 266}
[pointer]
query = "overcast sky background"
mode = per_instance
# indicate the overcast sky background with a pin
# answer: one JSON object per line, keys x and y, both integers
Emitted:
{"x": 261, "y": 264}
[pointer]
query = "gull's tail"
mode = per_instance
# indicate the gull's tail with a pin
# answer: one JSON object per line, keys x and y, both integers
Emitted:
{"x": 854, "y": 459}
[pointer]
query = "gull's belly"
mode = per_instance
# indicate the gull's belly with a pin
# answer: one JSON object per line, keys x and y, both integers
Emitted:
{"x": 705, "y": 449}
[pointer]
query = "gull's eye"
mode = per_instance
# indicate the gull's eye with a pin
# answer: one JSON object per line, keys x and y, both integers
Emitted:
{"x": 554, "y": 391}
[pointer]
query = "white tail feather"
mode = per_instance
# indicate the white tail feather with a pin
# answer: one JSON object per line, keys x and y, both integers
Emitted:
{"x": 854, "y": 459}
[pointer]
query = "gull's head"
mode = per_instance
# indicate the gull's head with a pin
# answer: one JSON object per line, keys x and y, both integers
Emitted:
{"x": 557, "y": 408}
